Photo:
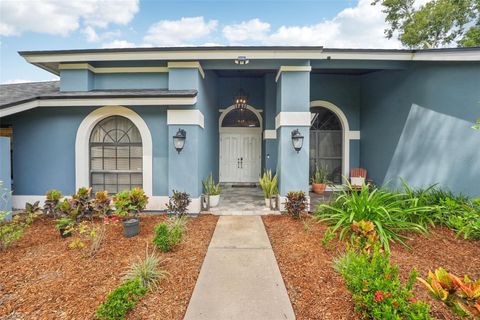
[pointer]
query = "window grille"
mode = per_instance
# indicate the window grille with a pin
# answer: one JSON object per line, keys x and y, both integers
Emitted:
{"x": 116, "y": 155}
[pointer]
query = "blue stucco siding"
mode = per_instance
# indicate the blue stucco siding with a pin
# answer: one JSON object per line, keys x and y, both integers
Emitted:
{"x": 341, "y": 90}
{"x": 5, "y": 177}
{"x": 293, "y": 91}
{"x": 76, "y": 80}
{"x": 180, "y": 79}
{"x": 269, "y": 147}
{"x": 44, "y": 148}
{"x": 131, "y": 81}
{"x": 209, "y": 142}
{"x": 229, "y": 86}
{"x": 416, "y": 123}
{"x": 183, "y": 167}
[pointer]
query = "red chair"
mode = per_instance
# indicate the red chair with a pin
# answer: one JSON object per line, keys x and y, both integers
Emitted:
{"x": 358, "y": 177}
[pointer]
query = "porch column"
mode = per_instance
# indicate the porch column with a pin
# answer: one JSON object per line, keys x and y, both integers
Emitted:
{"x": 183, "y": 167}
{"x": 5, "y": 176}
{"x": 293, "y": 112}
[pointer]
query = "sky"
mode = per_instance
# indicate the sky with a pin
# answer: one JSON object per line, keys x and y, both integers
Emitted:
{"x": 83, "y": 24}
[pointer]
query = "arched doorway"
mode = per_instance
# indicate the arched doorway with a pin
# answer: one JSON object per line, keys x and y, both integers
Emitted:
{"x": 116, "y": 155}
{"x": 327, "y": 143}
{"x": 240, "y": 145}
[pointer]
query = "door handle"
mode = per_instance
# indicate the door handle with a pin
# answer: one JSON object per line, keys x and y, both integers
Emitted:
{"x": 238, "y": 163}
{"x": 241, "y": 162}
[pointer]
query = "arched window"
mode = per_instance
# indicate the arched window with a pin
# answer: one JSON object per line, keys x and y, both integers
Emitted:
{"x": 241, "y": 118}
{"x": 326, "y": 136}
{"x": 115, "y": 155}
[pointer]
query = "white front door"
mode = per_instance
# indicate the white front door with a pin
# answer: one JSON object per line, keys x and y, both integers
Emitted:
{"x": 240, "y": 154}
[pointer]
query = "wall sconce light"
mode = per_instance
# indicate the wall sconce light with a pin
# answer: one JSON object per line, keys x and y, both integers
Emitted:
{"x": 179, "y": 140}
{"x": 242, "y": 60}
{"x": 297, "y": 140}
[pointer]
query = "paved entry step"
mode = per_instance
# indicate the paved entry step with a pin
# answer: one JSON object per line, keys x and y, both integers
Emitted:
{"x": 240, "y": 278}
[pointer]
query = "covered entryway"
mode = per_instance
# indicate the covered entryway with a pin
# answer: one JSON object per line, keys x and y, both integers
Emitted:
{"x": 240, "y": 145}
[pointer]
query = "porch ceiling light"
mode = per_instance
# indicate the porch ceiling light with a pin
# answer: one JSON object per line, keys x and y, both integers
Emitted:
{"x": 179, "y": 140}
{"x": 242, "y": 60}
{"x": 240, "y": 99}
{"x": 297, "y": 140}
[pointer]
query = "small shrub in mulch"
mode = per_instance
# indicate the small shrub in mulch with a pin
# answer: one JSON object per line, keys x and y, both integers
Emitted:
{"x": 169, "y": 234}
{"x": 376, "y": 287}
{"x": 142, "y": 277}
{"x": 296, "y": 203}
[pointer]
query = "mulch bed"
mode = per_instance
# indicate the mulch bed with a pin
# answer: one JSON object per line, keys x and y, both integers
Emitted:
{"x": 40, "y": 278}
{"x": 318, "y": 292}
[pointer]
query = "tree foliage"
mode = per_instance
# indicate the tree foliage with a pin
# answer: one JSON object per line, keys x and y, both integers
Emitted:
{"x": 434, "y": 24}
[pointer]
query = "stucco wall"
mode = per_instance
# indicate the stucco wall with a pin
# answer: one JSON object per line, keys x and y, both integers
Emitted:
{"x": 209, "y": 146}
{"x": 416, "y": 124}
{"x": 344, "y": 91}
{"x": 44, "y": 148}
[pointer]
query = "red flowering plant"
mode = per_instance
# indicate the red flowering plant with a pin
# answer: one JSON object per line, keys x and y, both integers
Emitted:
{"x": 376, "y": 287}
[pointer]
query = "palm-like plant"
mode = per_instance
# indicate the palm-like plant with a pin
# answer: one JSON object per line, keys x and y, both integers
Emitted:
{"x": 388, "y": 211}
{"x": 268, "y": 182}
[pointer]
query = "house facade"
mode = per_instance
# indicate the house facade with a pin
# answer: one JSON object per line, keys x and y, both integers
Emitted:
{"x": 110, "y": 121}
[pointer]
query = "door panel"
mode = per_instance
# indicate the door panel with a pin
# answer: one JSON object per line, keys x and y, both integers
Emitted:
{"x": 240, "y": 156}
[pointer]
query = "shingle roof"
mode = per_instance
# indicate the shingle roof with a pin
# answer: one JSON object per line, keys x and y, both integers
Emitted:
{"x": 19, "y": 92}
{"x": 12, "y": 94}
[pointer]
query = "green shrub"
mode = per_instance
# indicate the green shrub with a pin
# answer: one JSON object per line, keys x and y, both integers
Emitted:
{"x": 130, "y": 202}
{"x": 376, "y": 288}
{"x": 168, "y": 234}
{"x": 457, "y": 212}
{"x": 121, "y": 300}
{"x": 388, "y": 211}
{"x": 148, "y": 270}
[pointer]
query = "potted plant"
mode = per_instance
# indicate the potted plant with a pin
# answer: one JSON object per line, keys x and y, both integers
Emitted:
{"x": 64, "y": 226}
{"x": 212, "y": 190}
{"x": 128, "y": 205}
{"x": 269, "y": 187}
{"x": 319, "y": 180}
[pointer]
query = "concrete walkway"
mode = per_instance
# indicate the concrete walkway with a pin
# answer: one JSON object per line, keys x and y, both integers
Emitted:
{"x": 240, "y": 278}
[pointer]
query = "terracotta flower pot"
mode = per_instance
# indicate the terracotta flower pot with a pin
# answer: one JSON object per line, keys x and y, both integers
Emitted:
{"x": 319, "y": 188}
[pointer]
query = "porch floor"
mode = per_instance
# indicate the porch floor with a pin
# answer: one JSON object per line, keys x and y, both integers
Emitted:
{"x": 244, "y": 200}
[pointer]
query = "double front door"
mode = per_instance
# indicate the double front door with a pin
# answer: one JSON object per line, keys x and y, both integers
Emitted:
{"x": 240, "y": 155}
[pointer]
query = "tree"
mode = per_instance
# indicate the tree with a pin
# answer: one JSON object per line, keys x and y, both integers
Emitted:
{"x": 435, "y": 24}
{"x": 477, "y": 126}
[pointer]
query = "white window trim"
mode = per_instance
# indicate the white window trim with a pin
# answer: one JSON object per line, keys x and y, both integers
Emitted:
{"x": 249, "y": 107}
{"x": 82, "y": 154}
{"x": 347, "y": 134}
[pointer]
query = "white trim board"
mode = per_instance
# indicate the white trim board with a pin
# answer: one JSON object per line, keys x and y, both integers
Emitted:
{"x": 287, "y": 118}
{"x": 232, "y": 54}
{"x": 269, "y": 134}
{"x": 292, "y": 69}
{"x": 167, "y": 101}
{"x": 82, "y": 154}
{"x": 187, "y": 117}
{"x": 87, "y": 66}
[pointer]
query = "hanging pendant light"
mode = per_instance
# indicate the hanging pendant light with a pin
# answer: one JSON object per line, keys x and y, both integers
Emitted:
{"x": 240, "y": 99}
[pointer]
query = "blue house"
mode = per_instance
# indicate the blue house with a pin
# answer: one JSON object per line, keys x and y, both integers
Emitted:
{"x": 110, "y": 121}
